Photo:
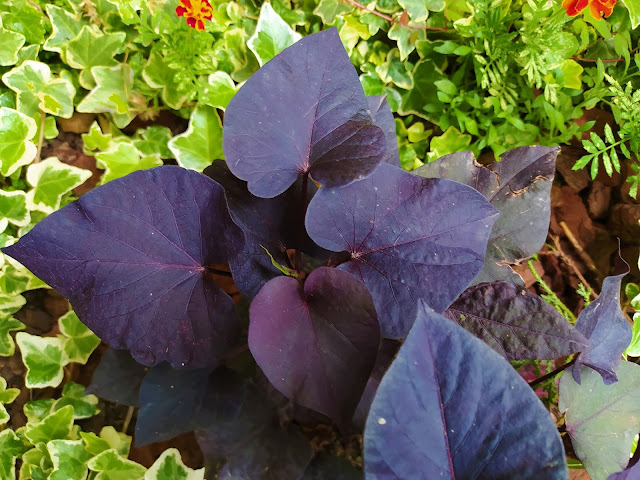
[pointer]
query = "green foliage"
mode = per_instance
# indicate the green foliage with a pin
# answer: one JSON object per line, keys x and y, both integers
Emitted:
{"x": 272, "y": 35}
{"x": 202, "y": 141}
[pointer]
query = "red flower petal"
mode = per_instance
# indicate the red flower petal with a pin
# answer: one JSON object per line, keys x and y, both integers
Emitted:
{"x": 191, "y": 22}
{"x": 180, "y": 11}
{"x": 200, "y": 25}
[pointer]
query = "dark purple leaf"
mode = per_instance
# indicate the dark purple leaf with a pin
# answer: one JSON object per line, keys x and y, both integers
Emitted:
{"x": 132, "y": 256}
{"x": 630, "y": 473}
{"x": 316, "y": 345}
{"x": 325, "y": 467}
{"x": 607, "y": 330}
{"x": 383, "y": 118}
{"x": 171, "y": 402}
{"x": 118, "y": 378}
{"x": 303, "y": 112}
{"x": 515, "y": 323}
{"x": 519, "y": 187}
{"x": 450, "y": 407}
{"x": 408, "y": 238}
{"x": 242, "y": 437}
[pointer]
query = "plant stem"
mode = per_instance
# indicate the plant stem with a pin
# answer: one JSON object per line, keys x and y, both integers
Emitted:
{"x": 552, "y": 374}
{"x": 43, "y": 118}
{"x": 127, "y": 420}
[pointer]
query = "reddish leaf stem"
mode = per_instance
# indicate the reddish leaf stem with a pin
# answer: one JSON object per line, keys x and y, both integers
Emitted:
{"x": 393, "y": 20}
{"x": 549, "y": 375}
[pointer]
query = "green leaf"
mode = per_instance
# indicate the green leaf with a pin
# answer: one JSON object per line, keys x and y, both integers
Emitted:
{"x": 10, "y": 45}
{"x": 7, "y": 325}
{"x": 272, "y": 35}
{"x": 56, "y": 425}
{"x": 169, "y": 466}
{"x": 154, "y": 140}
{"x": 80, "y": 341}
{"x": 95, "y": 139}
{"x": 7, "y": 395}
{"x": 69, "y": 459}
{"x": 91, "y": 48}
{"x": 122, "y": 159}
{"x": 51, "y": 179}
{"x": 201, "y": 144}
{"x": 422, "y": 99}
{"x": 405, "y": 37}
{"x": 602, "y": 419}
{"x": 158, "y": 74}
{"x": 111, "y": 94}
{"x": 36, "y": 463}
{"x": 16, "y": 148}
{"x": 10, "y": 304}
{"x": 395, "y": 71}
{"x": 37, "y": 410}
{"x": 44, "y": 358}
{"x": 111, "y": 466}
{"x": 13, "y": 207}
{"x": 84, "y": 406}
{"x": 328, "y": 10}
{"x": 66, "y": 26}
{"x": 10, "y": 448}
{"x": 634, "y": 12}
{"x": 109, "y": 438}
{"x": 217, "y": 91}
{"x": 450, "y": 141}
{"x": 23, "y": 18}
{"x": 417, "y": 10}
{"x": 38, "y": 90}
{"x": 352, "y": 31}
{"x": 634, "y": 347}
{"x": 50, "y": 126}
{"x": 572, "y": 74}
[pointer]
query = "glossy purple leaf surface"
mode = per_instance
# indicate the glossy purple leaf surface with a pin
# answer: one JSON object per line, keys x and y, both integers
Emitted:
{"x": 132, "y": 257}
{"x": 302, "y": 112}
{"x": 607, "y": 330}
{"x": 519, "y": 187}
{"x": 515, "y": 323}
{"x": 118, "y": 378}
{"x": 450, "y": 407}
{"x": 383, "y": 118}
{"x": 317, "y": 344}
{"x": 408, "y": 238}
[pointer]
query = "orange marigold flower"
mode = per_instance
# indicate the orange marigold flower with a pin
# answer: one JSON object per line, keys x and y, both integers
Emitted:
{"x": 195, "y": 11}
{"x": 597, "y": 7}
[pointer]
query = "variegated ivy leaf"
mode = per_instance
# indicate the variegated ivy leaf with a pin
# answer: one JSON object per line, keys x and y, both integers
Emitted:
{"x": 95, "y": 139}
{"x": 10, "y": 304}
{"x": 36, "y": 463}
{"x": 7, "y": 395}
{"x": 169, "y": 466}
{"x": 84, "y": 406}
{"x": 8, "y": 325}
{"x": 44, "y": 358}
{"x": 51, "y": 180}
{"x": 272, "y": 35}
{"x": 69, "y": 460}
{"x": 109, "y": 438}
{"x": 13, "y": 208}
{"x": 79, "y": 341}
{"x": 123, "y": 158}
{"x": 50, "y": 127}
{"x": 218, "y": 90}
{"x": 114, "y": 86}
{"x": 201, "y": 144}
{"x": 25, "y": 18}
{"x": 417, "y": 10}
{"x": 65, "y": 26}
{"x": 38, "y": 90}
{"x": 36, "y": 410}
{"x": 91, "y": 48}
{"x": 10, "y": 45}
{"x": 16, "y": 148}
{"x": 157, "y": 74}
{"x": 110, "y": 465}
{"x": 154, "y": 140}
{"x": 56, "y": 425}
{"x": 11, "y": 448}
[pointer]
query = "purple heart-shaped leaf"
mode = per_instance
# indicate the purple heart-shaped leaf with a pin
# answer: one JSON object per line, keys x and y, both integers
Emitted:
{"x": 317, "y": 344}
{"x": 134, "y": 255}
{"x": 118, "y": 378}
{"x": 383, "y": 118}
{"x": 304, "y": 112}
{"x": 515, "y": 323}
{"x": 519, "y": 187}
{"x": 408, "y": 238}
{"x": 607, "y": 330}
{"x": 450, "y": 407}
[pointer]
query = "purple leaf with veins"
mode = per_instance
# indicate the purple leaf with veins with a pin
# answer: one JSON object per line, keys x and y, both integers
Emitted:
{"x": 133, "y": 258}
{"x": 450, "y": 407}
{"x": 317, "y": 344}
{"x": 607, "y": 330}
{"x": 290, "y": 119}
{"x": 408, "y": 237}
{"x": 383, "y": 118}
{"x": 515, "y": 323}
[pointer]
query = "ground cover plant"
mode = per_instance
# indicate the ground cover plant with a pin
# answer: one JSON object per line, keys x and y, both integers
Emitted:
{"x": 280, "y": 304}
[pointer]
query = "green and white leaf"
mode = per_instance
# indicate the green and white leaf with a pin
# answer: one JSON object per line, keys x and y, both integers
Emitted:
{"x": 10, "y": 304}
{"x": 37, "y": 410}
{"x": 8, "y": 325}
{"x": 95, "y": 139}
{"x": 92, "y": 48}
{"x": 218, "y": 90}
{"x": 122, "y": 159}
{"x": 65, "y": 26}
{"x": 44, "y": 358}
{"x": 10, "y": 45}
{"x": 109, "y": 438}
{"x": 79, "y": 341}
{"x": 38, "y": 90}
{"x": 56, "y": 425}
{"x": 69, "y": 460}
{"x": 154, "y": 140}
{"x": 36, "y": 463}
{"x": 201, "y": 144}
{"x": 84, "y": 406}
{"x": 16, "y": 148}
{"x": 7, "y": 395}
{"x": 634, "y": 11}
{"x": 272, "y": 35}
{"x": 51, "y": 180}
{"x": 417, "y": 9}
{"x": 602, "y": 420}
{"x": 13, "y": 207}
{"x": 159, "y": 75}
{"x": 11, "y": 448}
{"x": 328, "y": 10}
{"x": 111, "y": 94}
{"x": 169, "y": 466}
{"x": 50, "y": 127}
{"x": 111, "y": 466}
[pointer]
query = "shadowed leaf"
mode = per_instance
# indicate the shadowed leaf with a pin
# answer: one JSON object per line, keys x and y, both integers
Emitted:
{"x": 383, "y": 118}
{"x": 117, "y": 378}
